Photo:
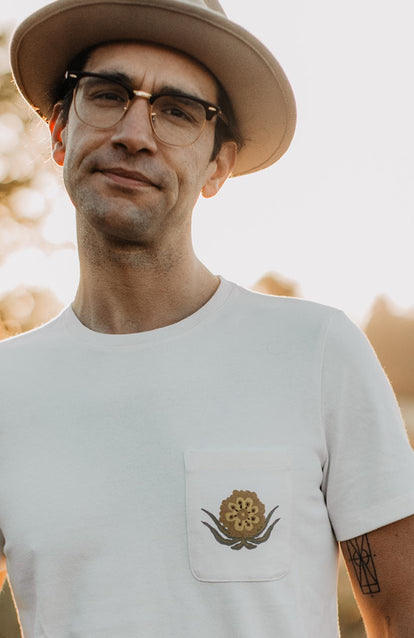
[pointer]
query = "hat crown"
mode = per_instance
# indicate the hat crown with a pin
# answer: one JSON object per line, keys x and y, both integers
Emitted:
{"x": 211, "y": 5}
{"x": 44, "y": 45}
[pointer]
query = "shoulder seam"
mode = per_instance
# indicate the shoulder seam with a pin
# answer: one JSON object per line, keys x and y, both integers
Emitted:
{"x": 321, "y": 363}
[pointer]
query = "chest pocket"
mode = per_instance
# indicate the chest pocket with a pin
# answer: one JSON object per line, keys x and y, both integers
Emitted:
{"x": 238, "y": 505}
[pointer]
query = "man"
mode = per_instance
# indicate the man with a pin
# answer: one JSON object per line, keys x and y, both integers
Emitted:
{"x": 181, "y": 456}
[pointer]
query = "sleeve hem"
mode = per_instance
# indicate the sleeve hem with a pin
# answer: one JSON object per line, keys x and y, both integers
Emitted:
{"x": 359, "y": 523}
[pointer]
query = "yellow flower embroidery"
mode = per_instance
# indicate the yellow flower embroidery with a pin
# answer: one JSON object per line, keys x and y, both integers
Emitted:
{"x": 242, "y": 513}
{"x": 242, "y": 521}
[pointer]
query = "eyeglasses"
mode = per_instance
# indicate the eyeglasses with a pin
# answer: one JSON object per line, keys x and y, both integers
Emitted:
{"x": 177, "y": 119}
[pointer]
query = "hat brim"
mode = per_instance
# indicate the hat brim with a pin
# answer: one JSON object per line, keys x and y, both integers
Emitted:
{"x": 45, "y": 43}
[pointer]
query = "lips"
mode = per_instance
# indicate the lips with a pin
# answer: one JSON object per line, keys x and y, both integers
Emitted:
{"x": 126, "y": 177}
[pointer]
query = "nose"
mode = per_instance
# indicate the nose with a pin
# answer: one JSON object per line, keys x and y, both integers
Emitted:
{"x": 134, "y": 132}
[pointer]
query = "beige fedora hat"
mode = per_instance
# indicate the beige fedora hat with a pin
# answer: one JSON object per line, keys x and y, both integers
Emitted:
{"x": 45, "y": 43}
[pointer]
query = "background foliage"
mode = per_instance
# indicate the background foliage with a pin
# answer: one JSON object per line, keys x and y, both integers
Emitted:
{"x": 27, "y": 185}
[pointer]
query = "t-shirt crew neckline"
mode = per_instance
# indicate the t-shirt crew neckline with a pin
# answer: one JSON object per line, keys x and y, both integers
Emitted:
{"x": 78, "y": 330}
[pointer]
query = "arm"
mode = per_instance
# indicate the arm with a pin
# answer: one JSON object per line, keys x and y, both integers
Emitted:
{"x": 381, "y": 569}
{"x": 3, "y": 570}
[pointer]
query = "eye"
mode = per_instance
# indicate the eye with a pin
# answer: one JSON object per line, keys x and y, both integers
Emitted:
{"x": 104, "y": 93}
{"x": 107, "y": 96}
{"x": 179, "y": 110}
{"x": 175, "y": 111}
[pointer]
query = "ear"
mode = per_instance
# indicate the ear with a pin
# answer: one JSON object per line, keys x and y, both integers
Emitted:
{"x": 57, "y": 127}
{"x": 221, "y": 168}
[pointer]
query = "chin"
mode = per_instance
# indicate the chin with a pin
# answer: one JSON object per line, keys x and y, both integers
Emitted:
{"x": 125, "y": 227}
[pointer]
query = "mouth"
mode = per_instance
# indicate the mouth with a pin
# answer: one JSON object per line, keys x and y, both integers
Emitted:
{"x": 127, "y": 178}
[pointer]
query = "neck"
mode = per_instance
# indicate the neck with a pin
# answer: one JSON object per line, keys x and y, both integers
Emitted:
{"x": 134, "y": 290}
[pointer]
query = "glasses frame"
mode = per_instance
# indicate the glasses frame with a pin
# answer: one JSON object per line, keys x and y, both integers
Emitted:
{"x": 211, "y": 110}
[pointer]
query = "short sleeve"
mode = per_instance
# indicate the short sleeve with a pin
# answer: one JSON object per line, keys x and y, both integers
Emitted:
{"x": 369, "y": 472}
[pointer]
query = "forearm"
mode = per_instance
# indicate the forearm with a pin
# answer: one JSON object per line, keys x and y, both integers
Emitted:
{"x": 398, "y": 624}
{"x": 381, "y": 570}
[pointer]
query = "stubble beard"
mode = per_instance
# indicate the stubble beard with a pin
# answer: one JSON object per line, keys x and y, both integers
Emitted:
{"x": 112, "y": 223}
{"x": 115, "y": 215}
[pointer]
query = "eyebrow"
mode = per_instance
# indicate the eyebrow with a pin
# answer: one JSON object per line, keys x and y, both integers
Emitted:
{"x": 118, "y": 76}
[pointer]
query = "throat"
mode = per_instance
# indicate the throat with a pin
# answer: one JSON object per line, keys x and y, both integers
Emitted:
{"x": 143, "y": 304}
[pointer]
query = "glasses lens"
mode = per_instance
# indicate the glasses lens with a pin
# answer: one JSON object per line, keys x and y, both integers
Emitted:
{"x": 99, "y": 102}
{"x": 177, "y": 120}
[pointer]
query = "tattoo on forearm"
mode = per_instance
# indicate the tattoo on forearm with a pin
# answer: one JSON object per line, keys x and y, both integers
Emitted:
{"x": 362, "y": 559}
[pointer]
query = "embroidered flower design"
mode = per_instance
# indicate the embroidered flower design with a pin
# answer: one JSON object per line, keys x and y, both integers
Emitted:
{"x": 242, "y": 521}
{"x": 242, "y": 513}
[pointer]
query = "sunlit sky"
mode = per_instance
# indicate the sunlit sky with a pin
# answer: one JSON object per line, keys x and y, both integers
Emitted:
{"x": 335, "y": 213}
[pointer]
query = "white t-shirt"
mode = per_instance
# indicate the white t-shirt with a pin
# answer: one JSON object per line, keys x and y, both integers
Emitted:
{"x": 194, "y": 480}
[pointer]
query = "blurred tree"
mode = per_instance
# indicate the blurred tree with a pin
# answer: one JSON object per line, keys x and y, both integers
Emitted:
{"x": 26, "y": 308}
{"x": 273, "y": 283}
{"x": 27, "y": 184}
{"x": 392, "y": 336}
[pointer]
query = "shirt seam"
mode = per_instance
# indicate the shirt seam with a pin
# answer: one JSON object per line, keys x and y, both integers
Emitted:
{"x": 321, "y": 388}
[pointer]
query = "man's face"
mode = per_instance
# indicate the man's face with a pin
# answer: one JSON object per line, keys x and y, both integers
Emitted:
{"x": 123, "y": 181}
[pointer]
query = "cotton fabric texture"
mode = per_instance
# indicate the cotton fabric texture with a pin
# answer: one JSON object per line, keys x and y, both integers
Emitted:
{"x": 115, "y": 450}
{"x": 43, "y": 46}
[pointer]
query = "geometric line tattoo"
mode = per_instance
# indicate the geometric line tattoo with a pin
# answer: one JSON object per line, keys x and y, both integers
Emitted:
{"x": 360, "y": 556}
